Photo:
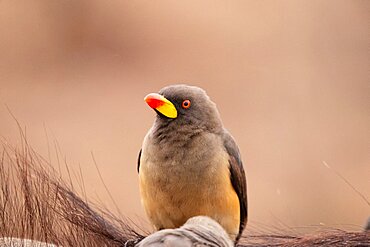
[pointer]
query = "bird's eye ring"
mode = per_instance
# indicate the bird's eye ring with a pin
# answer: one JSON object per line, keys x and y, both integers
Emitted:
{"x": 186, "y": 104}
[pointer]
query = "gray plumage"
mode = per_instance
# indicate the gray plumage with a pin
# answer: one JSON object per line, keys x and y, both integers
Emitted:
{"x": 184, "y": 161}
{"x": 367, "y": 225}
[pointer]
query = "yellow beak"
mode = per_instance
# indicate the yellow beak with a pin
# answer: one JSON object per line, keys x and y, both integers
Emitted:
{"x": 161, "y": 104}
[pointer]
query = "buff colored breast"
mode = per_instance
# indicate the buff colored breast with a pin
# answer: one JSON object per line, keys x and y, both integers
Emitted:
{"x": 174, "y": 192}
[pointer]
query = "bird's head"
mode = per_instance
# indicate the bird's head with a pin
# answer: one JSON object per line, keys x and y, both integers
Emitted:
{"x": 185, "y": 105}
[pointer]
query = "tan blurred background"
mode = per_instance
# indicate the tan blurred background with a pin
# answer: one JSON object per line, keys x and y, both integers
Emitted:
{"x": 290, "y": 78}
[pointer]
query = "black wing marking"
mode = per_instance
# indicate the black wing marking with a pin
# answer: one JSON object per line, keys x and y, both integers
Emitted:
{"x": 138, "y": 161}
{"x": 238, "y": 179}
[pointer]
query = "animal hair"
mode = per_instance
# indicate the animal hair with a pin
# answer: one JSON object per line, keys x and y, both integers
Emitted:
{"x": 36, "y": 203}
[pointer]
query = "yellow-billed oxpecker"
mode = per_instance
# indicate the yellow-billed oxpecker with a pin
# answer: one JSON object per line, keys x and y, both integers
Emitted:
{"x": 189, "y": 164}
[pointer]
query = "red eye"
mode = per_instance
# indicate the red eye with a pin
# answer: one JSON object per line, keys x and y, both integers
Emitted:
{"x": 186, "y": 104}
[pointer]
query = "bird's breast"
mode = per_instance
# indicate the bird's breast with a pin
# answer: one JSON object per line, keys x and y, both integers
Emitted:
{"x": 177, "y": 164}
{"x": 178, "y": 183}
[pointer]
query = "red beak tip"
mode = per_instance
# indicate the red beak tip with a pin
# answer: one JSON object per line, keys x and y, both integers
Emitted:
{"x": 153, "y": 100}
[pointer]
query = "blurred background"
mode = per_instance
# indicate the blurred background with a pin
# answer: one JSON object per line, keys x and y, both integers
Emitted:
{"x": 290, "y": 78}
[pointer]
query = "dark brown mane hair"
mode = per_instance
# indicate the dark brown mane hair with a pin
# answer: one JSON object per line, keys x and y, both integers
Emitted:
{"x": 36, "y": 203}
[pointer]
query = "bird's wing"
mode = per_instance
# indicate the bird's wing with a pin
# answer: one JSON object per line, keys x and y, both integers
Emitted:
{"x": 138, "y": 161}
{"x": 237, "y": 176}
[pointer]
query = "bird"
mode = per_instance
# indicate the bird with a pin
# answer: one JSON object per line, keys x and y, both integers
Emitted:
{"x": 189, "y": 164}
